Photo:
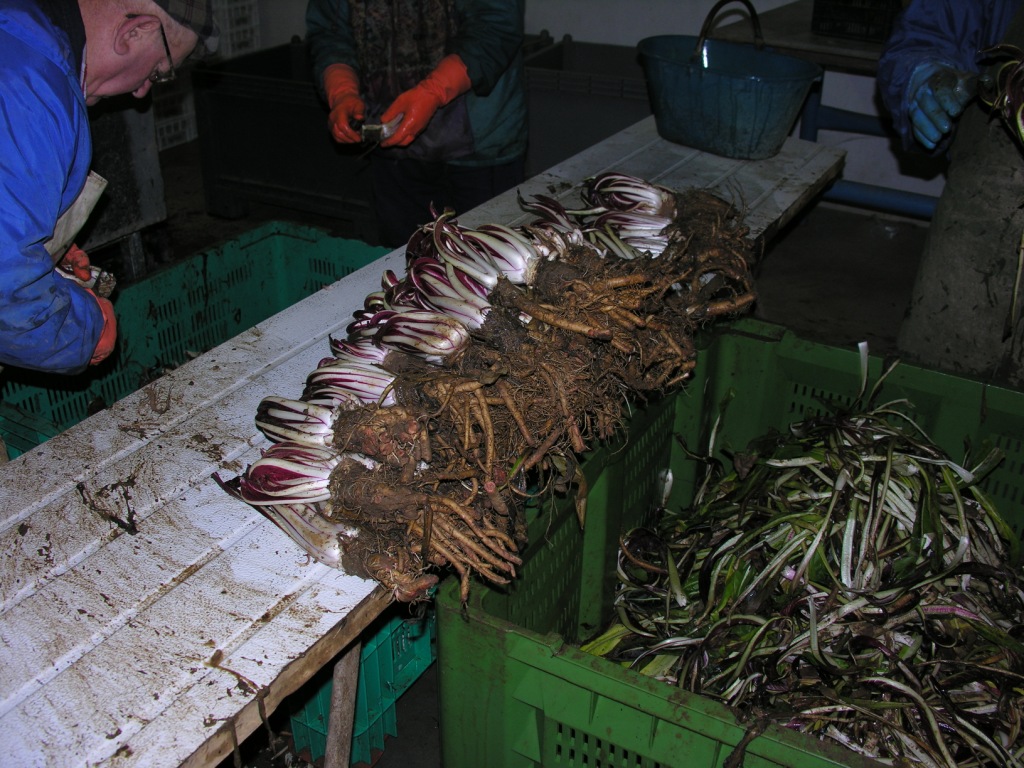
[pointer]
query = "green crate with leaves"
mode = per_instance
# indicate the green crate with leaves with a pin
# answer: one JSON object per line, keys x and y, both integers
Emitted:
{"x": 515, "y": 670}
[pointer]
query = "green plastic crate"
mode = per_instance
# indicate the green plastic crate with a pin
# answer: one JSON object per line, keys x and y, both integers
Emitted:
{"x": 399, "y": 650}
{"x": 169, "y": 318}
{"x": 514, "y": 689}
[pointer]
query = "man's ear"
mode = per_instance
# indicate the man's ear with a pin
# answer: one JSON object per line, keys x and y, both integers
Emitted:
{"x": 131, "y": 29}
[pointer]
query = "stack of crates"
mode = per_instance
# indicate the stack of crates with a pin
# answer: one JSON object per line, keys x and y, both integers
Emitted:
{"x": 174, "y": 113}
{"x": 868, "y": 21}
{"x": 239, "y": 22}
{"x": 173, "y": 103}
{"x": 516, "y": 691}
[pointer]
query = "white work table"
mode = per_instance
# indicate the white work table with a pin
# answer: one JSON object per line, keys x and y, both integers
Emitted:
{"x": 146, "y": 617}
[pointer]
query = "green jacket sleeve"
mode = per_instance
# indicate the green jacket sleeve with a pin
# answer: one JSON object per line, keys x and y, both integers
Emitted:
{"x": 329, "y": 37}
{"x": 489, "y": 37}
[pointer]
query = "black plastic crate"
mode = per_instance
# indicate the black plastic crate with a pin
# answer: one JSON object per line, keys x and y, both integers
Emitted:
{"x": 578, "y": 95}
{"x": 263, "y": 138}
{"x": 866, "y": 20}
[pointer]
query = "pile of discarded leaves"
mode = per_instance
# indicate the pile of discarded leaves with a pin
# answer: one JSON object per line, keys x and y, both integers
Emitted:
{"x": 848, "y": 580}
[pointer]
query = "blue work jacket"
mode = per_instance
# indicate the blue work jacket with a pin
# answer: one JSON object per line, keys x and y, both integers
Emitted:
{"x": 46, "y": 322}
{"x": 488, "y": 38}
{"x": 953, "y": 32}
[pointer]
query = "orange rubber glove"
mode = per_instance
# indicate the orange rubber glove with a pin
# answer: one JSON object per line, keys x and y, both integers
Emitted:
{"x": 108, "y": 336}
{"x": 76, "y": 262}
{"x": 341, "y": 84}
{"x": 417, "y": 105}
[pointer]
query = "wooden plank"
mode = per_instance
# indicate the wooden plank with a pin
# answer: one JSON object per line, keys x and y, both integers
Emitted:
{"x": 238, "y": 726}
{"x": 343, "y": 709}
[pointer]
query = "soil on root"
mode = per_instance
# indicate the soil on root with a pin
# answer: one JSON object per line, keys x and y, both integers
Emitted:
{"x": 546, "y": 377}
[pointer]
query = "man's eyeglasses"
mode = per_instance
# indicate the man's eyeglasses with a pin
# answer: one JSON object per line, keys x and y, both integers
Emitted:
{"x": 158, "y": 76}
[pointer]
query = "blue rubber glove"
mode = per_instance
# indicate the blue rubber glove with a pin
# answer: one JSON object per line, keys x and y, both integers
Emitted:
{"x": 936, "y": 94}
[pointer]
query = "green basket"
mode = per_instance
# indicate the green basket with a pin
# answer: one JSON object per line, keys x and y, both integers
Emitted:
{"x": 514, "y": 689}
{"x": 399, "y": 650}
{"x": 169, "y": 318}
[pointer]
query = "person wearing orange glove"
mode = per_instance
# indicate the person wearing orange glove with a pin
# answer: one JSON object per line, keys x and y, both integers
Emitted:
{"x": 341, "y": 84}
{"x": 57, "y": 58}
{"x": 75, "y": 264}
{"x": 445, "y": 79}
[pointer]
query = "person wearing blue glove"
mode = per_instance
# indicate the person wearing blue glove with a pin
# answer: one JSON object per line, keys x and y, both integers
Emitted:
{"x": 930, "y": 64}
{"x": 962, "y": 317}
{"x": 445, "y": 78}
{"x": 938, "y": 94}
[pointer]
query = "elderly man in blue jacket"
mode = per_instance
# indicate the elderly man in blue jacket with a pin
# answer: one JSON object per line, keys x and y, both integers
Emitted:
{"x": 445, "y": 78}
{"x": 57, "y": 57}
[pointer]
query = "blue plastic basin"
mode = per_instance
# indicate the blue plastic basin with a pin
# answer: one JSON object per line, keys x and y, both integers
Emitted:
{"x": 726, "y": 98}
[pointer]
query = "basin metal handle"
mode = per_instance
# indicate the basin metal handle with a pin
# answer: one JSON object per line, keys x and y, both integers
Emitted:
{"x": 710, "y": 19}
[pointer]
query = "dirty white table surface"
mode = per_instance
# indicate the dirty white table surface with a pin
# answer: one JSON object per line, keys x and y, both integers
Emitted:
{"x": 146, "y": 617}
